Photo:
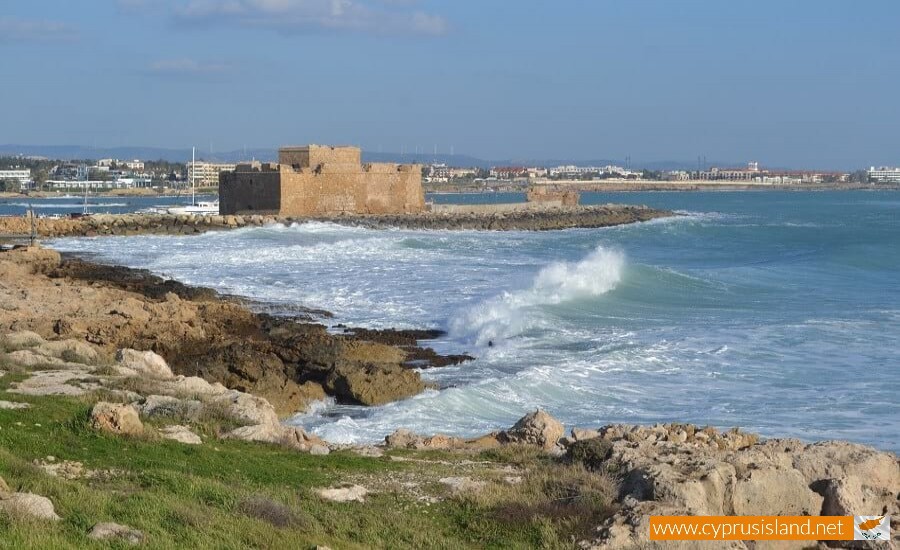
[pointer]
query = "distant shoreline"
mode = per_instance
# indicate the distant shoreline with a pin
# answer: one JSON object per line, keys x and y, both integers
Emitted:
{"x": 665, "y": 186}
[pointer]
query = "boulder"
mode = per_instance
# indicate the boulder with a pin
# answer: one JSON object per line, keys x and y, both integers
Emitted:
{"x": 292, "y": 437}
{"x": 350, "y": 493}
{"x": 116, "y": 418}
{"x": 536, "y": 428}
{"x": 181, "y": 434}
{"x": 116, "y": 532}
{"x": 144, "y": 363}
{"x": 247, "y": 408}
{"x": 21, "y": 340}
{"x": 27, "y": 505}
{"x": 13, "y": 405}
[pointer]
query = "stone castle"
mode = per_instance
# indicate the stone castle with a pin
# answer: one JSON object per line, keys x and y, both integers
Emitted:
{"x": 316, "y": 180}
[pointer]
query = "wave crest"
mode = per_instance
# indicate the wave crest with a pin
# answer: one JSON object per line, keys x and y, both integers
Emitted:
{"x": 512, "y": 313}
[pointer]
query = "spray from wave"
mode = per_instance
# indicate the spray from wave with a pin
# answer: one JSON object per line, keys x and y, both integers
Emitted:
{"x": 513, "y": 313}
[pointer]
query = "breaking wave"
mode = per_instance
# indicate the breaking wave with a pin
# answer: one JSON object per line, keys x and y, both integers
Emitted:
{"x": 511, "y": 313}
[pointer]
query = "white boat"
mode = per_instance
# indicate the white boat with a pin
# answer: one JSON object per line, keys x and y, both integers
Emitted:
{"x": 200, "y": 208}
{"x": 197, "y": 208}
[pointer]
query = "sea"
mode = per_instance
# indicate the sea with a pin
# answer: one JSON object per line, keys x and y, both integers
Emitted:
{"x": 775, "y": 312}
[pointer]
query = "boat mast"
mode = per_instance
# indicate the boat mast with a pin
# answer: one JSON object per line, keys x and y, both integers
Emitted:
{"x": 193, "y": 171}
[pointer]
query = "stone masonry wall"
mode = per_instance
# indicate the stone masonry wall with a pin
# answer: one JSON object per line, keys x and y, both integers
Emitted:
{"x": 321, "y": 181}
{"x": 256, "y": 192}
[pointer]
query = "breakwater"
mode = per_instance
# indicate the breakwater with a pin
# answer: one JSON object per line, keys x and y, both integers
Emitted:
{"x": 484, "y": 219}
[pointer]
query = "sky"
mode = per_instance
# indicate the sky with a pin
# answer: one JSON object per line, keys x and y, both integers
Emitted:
{"x": 800, "y": 83}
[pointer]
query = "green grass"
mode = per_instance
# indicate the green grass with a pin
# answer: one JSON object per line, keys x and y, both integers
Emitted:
{"x": 232, "y": 494}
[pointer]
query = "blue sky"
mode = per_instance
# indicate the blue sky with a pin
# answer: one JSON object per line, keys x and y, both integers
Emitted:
{"x": 788, "y": 83}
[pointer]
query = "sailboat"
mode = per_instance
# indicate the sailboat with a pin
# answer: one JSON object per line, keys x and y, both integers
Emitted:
{"x": 198, "y": 208}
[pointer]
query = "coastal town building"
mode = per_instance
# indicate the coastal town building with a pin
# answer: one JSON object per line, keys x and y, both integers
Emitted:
{"x": 884, "y": 174}
{"x": 206, "y": 174}
{"x": 317, "y": 180}
{"x": 20, "y": 175}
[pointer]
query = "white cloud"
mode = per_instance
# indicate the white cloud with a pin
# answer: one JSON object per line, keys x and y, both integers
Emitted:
{"x": 297, "y": 16}
{"x": 15, "y": 30}
{"x": 185, "y": 66}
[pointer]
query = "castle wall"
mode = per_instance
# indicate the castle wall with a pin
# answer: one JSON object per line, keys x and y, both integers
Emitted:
{"x": 311, "y": 156}
{"x": 254, "y": 192}
{"x": 336, "y": 185}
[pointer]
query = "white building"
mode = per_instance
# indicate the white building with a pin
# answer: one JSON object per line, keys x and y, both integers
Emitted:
{"x": 206, "y": 174}
{"x": 135, "y": 165}
{"x": 22, "y": 175}
{"x": 884, "y": 174}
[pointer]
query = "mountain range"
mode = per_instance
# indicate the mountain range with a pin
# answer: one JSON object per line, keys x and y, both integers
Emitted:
{"x": 69, "y": 152}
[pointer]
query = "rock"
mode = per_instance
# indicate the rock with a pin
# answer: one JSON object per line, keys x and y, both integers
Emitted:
{"x": 167, "y": 406}
{"x": 292, "y": 437}
{"x": 463, "y": 484}
{"x": 21, "y": 340}
{"x": 351, "y": 493}
{"x": 27, "y": 505}
{"x": 72, "y": 351}
{"x": 581, "y": 434}
{"x": 319, "y": 450}
{"x": 114, "y": 531}
{"x": 773, "y": 491}
{"x": 65, "y": 469}
{"x": 373, "y": 384}
{"x": 195, "y": 386}
{"x": 247, "y": 408}
{"x": 116, "y": 418}
{"x": 144, "y": 362}
{"x": 77, "y": 381}
{"x": 181, "y": 434}
{"x": 402, "y": 438}
{"x": 13, "y": 405}
{"x": 678, "y": 469}
{"x": 537, "y": 428}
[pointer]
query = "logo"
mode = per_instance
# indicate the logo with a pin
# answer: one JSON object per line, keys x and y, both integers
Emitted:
{"x": 872, "y": 528}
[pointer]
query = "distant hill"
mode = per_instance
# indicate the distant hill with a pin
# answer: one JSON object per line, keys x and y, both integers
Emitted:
{"x": 67, "y": 152}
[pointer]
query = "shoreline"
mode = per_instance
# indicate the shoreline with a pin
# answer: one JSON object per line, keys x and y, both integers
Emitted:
{"x": 82, "y": 313}
{"x": 290, "y": 360}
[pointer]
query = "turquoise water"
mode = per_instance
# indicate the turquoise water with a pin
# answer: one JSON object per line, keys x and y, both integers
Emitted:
{"x": 777, "y": 312}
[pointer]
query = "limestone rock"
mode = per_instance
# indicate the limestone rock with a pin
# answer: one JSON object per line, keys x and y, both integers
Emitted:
{"x": 773, "y": 491}
{"x": 373, "y": 384}
{"x": 536, "y": 428}
{"x": 292, "y": 437}
{"x": 21, "y": 340}
{"x": 114, "y": 531}
{"x": 116, "y": 418}
{"x": 678, "y": 469}
{"x": 247, "y": 408}
{"x": 13, "y": 405}
{"x": 144, "y": 363}
{"x": 181, "y": 434}
{"x": 351, "y": 493}
{"x": 27, "y": 505}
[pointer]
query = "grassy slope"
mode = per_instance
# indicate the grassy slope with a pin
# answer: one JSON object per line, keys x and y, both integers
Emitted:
{"x": 226, "y": 494}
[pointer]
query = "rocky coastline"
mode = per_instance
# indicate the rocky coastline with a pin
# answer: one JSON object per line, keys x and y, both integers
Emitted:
{"x": 290, "y": 361}
{"x": 167, "y": 224}
{"x": 158, "y": 361}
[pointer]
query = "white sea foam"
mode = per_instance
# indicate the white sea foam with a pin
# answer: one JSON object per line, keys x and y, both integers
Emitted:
{"x": 508, "y": 315}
